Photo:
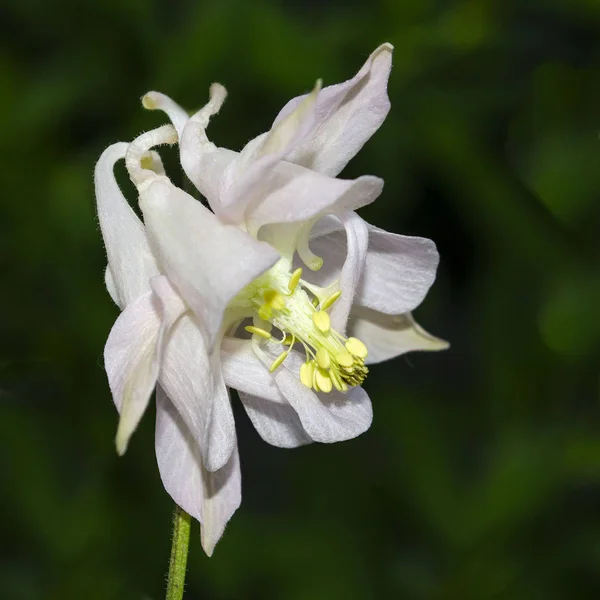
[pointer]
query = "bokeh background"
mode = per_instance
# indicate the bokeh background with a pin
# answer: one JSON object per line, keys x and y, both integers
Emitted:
{"x": 480, "y": 477}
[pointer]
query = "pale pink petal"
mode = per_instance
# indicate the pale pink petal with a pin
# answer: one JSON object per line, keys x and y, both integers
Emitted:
{"x": 209, "y": 497}
{"x": 130, "y": 260}
{"x": 272, "y": 416}
{"x": 346, "y": 116}
{"x": 289, "y": 193}
{"x": 398, "y": 271}
{"x": 207, "y": 261}
{"x": 388, "y": 336}
{"x": 192, "y": 378}
{"x": 203, "y": 162}
{"x": 277, "y": 424}
{"x": 326, "y": 418}
{"x": 243, "y": 371}
{"x": 244, "y": 177}
{"x": 132, "y": 354}
{"x": 357, "y": 236}
{"x": 177, "y": 115}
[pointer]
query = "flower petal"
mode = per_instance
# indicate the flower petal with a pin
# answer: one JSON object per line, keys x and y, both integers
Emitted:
{"x": 203, "y": 162}
{"x": 289, "y": 193}
{"x": 207, "y": 261}
{"x": 210, "y": 497}
{"x": 243, "y": 371}
{"x": 276, "y": 423}
{"x": 192, "y": 378}
{"x": 347, "y": 115}
{"x": 387, "y": 336}
{"x": 245, "y": 174}
{"x": 327, "y": 418}
{"x": 398, "y": 271}
{"x": 357, "y": 237}
{"x": 158, "y": 101}
{"x": 130, "y": 259}
{"x": 272, "y": 416}
{"x": 132, "y": 354}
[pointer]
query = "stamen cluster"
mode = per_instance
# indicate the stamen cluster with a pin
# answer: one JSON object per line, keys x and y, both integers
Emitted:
{"x": 282, "y": 301}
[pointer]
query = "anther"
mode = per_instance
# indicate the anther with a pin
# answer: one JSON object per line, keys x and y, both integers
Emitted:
{"x": 277, "y": 362}
{"x": 330, "y": 300}
{"x": 258, "y": 331}
{"x": 356, "y": 347}
{"x": 294, "y": 279}
{"x": 306, "y": 374}
{"x": 323, "y": 381}
{"x": 345, "y": 360}
{"x": 321, "y": 321}
{"x": 337, "y": 380}
{"x": 323, "y": 358}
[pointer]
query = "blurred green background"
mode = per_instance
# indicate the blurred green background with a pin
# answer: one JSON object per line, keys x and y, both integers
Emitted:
{"x": 480, "y": 477}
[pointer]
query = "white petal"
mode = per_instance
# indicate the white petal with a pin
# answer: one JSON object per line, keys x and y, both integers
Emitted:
{"x": 243, "y": 371}
{"x": 131, "y": 262}
{"x": 387, "y": 336}
{"x": 177, "y": 115}
{"x": 111, "y": 286}
{"x": 193, "y": 380}
{"x": 289, "y": 193}
{"x": 347, "y": 115}
{"x": 208, "y": 262}
{"x": 276, "y": 423}
{"x": 357, "y": 237}
{"x": 398, "y": 271}
{"x": 272, "y": 416}
{"x": 327, "y": 418}
{"x": 210, "y": 497}
{"x": 243, "y": 176}
{"x": 203, "y": 162}
{"x": 132, "y": 354}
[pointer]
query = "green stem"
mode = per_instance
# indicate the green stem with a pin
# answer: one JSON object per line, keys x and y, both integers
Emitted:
{"x": 179, "y": 553}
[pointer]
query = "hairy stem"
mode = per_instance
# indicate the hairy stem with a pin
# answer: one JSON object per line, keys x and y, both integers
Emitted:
{"x": 179, "y": 553}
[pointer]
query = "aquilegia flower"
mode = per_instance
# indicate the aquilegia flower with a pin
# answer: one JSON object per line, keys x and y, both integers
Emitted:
{"x": 278, "y": 290}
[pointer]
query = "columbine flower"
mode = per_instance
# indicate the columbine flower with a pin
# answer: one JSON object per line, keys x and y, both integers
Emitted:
{"x": 221, "y": 298}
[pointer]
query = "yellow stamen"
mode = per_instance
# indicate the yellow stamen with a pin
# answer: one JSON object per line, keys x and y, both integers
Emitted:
{"x": 321, "y": 321}
{"x": 337, "y": 380}
{"x": 323, "y": 380}
{"x": 258, "y": 331}
{"x": 356, "y": 347}
{"x": 345, "y": 359}
{"x": 274, "y": 299}
{"x": 323, "y": 358}
{"x": 306, "y": 374}
{"x": 330, "y": 300}
{"x": 294, "y": 279}
{"x": 277, "y": 362}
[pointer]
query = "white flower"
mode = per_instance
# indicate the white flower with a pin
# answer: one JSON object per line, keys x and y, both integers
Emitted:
{"x": 217, "y": 299}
